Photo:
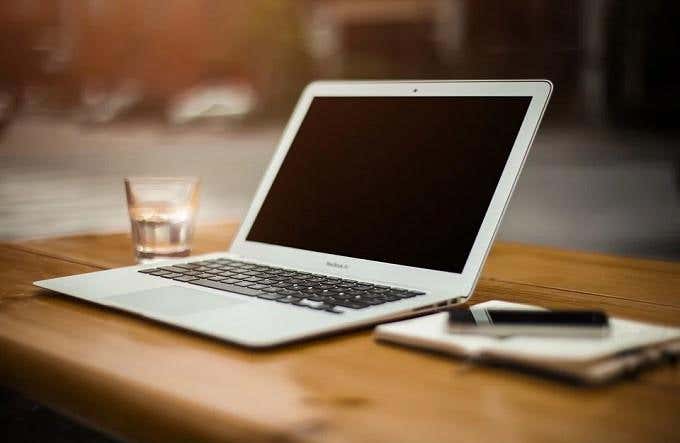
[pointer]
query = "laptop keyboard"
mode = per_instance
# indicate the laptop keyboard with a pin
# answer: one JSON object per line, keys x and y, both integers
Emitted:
{"x": 313, "y": 291}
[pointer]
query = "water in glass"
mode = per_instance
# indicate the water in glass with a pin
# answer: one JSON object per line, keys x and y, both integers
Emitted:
{"x": 161, "y": 228}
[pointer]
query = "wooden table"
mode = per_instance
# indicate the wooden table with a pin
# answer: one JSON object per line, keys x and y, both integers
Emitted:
{"x": 148, "y": 382}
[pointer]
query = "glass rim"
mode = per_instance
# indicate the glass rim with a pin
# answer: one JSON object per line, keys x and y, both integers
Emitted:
{"x": 160, "y": 178}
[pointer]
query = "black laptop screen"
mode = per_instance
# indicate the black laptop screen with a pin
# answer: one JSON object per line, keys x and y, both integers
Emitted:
{"x": 393, "y": 179}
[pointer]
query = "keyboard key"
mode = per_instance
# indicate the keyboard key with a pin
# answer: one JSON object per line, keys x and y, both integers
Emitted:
{"x": 159, "y": 273}
{"x": 269, "y": 296}
{"x": 351, "y": 304}
{"x": 308, "y": 303}
{"x": 288, "y": 299}
{"x": 172, "y": 269}
{"x": 256, "y": 273}
{"x": 226, "y": 287}
{"x": 244, "y": 283}
{"x": 257, "y": 286}
{"x": 172, "y": 275}
{"x": 192, "y": 273}
{"x": 389, "y": 297}
{"x": 185, "y": 278}
{"x": 330, "y": 309}
{"x": 358, "y": 297}
{"x": 334, "y": 289}
{"x": 227, "y": 273}
{"x": 276, "y": 272}
{"x": 374, "y": 302}
{"x": 346, "y": 284}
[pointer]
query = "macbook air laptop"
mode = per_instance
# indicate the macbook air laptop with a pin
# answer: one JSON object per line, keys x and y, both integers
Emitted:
{"x": 381, "y": 201}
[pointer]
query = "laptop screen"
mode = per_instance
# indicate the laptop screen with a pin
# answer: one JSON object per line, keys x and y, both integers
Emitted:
{"x": 400, "y": 180}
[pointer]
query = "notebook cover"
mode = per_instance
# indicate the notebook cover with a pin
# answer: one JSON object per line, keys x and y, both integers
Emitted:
{"x": 587, "y": 359}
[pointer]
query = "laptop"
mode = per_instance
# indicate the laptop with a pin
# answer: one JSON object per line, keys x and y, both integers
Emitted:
{"x": 380, "y": 202}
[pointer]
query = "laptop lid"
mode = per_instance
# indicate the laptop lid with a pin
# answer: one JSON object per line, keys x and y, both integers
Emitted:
{"x": 397, "y": 182}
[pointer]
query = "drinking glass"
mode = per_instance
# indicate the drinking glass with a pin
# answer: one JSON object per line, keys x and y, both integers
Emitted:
{"x": 162, "y": 214}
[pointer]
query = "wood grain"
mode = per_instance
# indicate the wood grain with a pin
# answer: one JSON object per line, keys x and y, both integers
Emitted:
{"x": 612, "y": 276}
{"x": 648, "y": 281}
{"x": 144, "y": 381}
{"x": 115, "y": 250}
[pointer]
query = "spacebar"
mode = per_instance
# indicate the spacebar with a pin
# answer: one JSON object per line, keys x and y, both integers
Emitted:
{"x": 225, "y": 287}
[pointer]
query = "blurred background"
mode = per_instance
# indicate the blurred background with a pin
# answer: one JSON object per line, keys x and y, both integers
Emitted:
{"x": 94, "y": 90}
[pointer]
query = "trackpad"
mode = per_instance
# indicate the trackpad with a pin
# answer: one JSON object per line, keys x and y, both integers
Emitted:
{"x": 172, "y": 301}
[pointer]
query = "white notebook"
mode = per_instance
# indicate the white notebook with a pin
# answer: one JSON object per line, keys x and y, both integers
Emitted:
{"x": 630, "y": 345}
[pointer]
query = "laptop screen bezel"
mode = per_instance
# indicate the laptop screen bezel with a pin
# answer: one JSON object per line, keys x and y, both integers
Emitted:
{"x": 446, "y": 284}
